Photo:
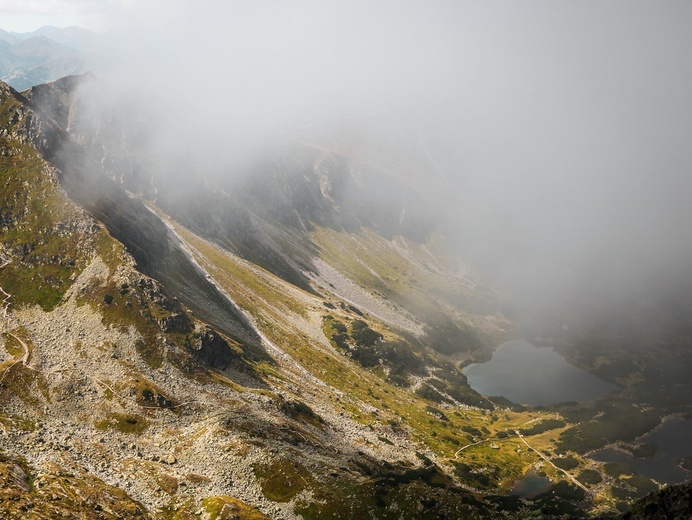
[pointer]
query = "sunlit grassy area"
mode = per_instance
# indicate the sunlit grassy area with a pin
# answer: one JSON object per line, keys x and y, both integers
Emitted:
{"x": 365, "y": 394}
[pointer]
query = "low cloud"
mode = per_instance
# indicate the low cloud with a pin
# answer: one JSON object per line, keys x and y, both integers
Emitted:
{"x": 561, "y": 127}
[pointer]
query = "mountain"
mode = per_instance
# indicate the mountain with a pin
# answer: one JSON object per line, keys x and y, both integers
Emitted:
{"x": 74, "y": 37}
{"x": 215, "y": 380}
{"x": 28, "y": 59}
{"x": 8, "y": 37}
{"x": 670, "y": 502}
{"x": 286, "y": 344}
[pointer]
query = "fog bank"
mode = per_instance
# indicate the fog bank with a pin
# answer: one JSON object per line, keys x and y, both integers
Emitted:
{"x": 561, "y": 127}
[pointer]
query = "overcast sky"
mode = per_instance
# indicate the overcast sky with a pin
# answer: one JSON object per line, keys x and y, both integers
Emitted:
{"x": 29, "y": 15}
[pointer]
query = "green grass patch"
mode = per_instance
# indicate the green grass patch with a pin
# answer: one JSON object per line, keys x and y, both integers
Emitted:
{"x": 26, "y": 384}
{"x": 282, "y": 479}
{"x": 542, "y": 427}
{"x": 226, "y": 508}
{"x": 12, "y": 346}
{"x": 122, "y": 422}
{"x": 611, "y": 420}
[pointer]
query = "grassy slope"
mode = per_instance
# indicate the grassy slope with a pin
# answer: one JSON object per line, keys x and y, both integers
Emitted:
{"x": 39, "y": 225}
{"x": 47, "y": 242}
{"x": 404, "y": 410}
{"x": 492, "y": 464}
{"x": 415, "y": 277}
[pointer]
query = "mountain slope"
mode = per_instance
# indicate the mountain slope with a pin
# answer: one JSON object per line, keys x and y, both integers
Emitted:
{"x": 107, "y": 377}
{"x": 288, "y": 344}
{"x": 27, "y": 62}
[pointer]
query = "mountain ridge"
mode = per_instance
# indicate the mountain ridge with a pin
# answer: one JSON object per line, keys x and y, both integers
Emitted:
{"x": 47, "y": 54}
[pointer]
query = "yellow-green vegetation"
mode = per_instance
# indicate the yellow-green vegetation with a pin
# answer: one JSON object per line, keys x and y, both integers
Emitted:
{"x": 16, "y": 422}
{"x": 408, "y": 274}
{"x": 21, "y": 381}
{"x": 400, "y": 359}
{"x": 226, "y": 508}
{"x": 12, "y": 345}
{"x": 46, "y": 238}
{"x": 252, "y": 285}
{"x": 123, "y": 422}
{"x": 8, "y": 106}
{"x": 57, "y": 493}
{"x": 396, "y": 409}
{"x": 369, "y": 345}
{"x": 283, "y": 478}
{"x": 368, "y": 258}
{"x": 177, "y": 509}
{"x": 542, "y": 427}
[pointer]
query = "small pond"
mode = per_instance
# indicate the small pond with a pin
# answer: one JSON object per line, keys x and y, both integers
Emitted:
{"x": 530, "y": 486}
{"x": 672, "y": 439}
{"x": 526, "y": 374}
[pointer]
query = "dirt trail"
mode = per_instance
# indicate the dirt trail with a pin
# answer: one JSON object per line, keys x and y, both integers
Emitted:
{"x": 546, "y": 459}
{"x": 24, "y": 360}
{"x": 6, "y": 301}
{"x": 469, "y": 445}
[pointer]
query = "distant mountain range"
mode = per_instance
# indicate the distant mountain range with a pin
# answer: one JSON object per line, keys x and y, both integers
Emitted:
{"x": 49, "y": 53}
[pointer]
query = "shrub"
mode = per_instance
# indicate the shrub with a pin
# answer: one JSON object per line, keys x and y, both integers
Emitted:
{"x": 566, "y": 463}
{"x": 364, "y": 335}
{"x": 590, "y": 477}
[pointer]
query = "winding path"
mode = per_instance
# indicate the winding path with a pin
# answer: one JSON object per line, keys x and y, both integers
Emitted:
{"x": 574, "y": 480}
{"x": 469, "y": 445}
{"x": 24, "y": 360}
{"x": 546, "y": 459}
{"x": 6, "y": 302}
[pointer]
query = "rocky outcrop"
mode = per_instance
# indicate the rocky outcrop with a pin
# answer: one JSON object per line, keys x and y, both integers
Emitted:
{"x": 212, "y": 349}
{"x": 127, "y": 219}
{"x": 670, "y": 503}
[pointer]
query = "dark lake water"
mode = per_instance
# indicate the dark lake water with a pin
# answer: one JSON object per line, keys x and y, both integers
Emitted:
{"x": 530, "y": 486}
{"x": 526, "y": 374}
{"x": 673, "y": 441}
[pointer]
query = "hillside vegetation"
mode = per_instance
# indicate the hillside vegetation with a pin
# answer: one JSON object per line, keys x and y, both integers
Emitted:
{"x": 289, "y": 348}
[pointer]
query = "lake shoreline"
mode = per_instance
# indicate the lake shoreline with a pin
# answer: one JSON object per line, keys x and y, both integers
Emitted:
{"x": 533, "y": 375}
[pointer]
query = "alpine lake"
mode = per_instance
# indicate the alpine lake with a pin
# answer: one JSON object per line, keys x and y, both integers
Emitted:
{"x": 538, "y": 376}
